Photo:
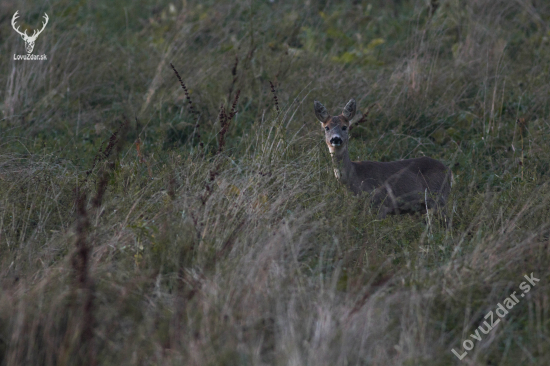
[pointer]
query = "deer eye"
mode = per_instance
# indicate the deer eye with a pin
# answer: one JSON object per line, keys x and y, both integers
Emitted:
{"x": 344, "y": 128}
{"x": 326, "y": 128}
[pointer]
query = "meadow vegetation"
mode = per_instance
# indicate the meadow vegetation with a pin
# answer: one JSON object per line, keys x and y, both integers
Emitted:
{"x": 141, "y": 223}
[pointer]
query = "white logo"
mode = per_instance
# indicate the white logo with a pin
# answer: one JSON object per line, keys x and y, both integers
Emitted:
{"x": 29, "y": 40}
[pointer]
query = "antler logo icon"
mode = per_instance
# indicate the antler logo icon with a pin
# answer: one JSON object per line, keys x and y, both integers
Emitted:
{"x": 29, "y": 40}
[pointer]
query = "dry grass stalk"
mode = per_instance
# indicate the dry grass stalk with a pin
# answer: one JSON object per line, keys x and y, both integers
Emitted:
{"x": 364, "y": 116}
{"x": 234, "y": 81}
{"x": 522, "y": 124}
{"x": 275, "y": 99}
{"x": 101, "y": 189}
{"x": 81, "y": 268}
{"x": 190, "y": 105}
{"x": 233, "y": 111}
{"x": 81, "y": 257}
{"x": 141, "y": 159}
{"x": 103, "y": 154}
{"x": 140, "y": 154}
{"x": 225, "y": 121}
{"x": 434, "y": 5}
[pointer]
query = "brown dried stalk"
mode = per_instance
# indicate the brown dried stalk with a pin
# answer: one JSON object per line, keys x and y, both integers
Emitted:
{"x": 138, "y": 150}
{"x": 191, "y": 107}
{"x": 522, "y": 123}
{"x": 234, "y": 105}
{"x": 190, "y": 104}
{"x": 275, "y": 97}
{"x": 364, "y": 116}
{"x": 81, "y": 267}
{"x": 234, "y": 73}
{"x": 101, "y": 189}
{"x": 434, "y": 4}
{"x": 103, "y": 154}
{"x": 225, "y": 121}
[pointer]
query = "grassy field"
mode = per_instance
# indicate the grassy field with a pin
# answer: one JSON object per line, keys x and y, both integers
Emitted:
{"x": 141, "y": 224}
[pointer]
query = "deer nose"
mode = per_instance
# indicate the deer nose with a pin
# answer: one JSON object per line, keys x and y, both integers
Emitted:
{"x": 336, "y": 141}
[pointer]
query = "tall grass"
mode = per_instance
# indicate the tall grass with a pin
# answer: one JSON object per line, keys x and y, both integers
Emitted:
{"x": 204, "y": 235}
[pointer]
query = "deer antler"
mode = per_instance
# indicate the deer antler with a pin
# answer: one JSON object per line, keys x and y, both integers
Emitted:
{"x": 15, "y": 16}
{"x": 25, "y": 35}
{"x": 36, "y": 33}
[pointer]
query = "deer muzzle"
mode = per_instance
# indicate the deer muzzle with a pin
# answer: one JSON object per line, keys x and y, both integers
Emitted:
{"x": 336, "y": 141}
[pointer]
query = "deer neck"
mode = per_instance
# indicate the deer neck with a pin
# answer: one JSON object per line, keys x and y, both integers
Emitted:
{"x": 343, "y": 167}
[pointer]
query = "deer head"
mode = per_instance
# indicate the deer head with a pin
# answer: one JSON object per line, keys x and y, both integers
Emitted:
{"x": 29, "y": 40}
{"x": 337, "y": 127}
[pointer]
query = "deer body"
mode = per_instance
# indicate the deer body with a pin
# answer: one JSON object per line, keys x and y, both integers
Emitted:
{"x": 404, "y": 186}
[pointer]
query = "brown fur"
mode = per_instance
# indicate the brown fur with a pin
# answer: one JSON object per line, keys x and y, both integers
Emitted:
{"x": 404, "y": 186}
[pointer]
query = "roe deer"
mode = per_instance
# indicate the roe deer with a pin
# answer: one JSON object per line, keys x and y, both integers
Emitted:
{"x": 404, "y": 186}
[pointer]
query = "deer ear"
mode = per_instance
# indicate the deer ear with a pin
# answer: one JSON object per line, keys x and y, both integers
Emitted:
{"x": 320, "y": 112}
{"x": 349, "y": 110}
